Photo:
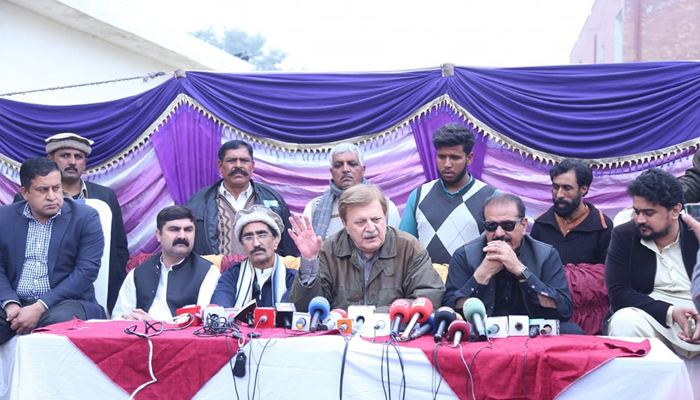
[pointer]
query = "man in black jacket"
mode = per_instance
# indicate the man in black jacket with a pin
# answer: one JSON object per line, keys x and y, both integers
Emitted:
{"x": 649, "y": 265}
{"x": 70, "y": 152}
{"x": 215, "y": 206}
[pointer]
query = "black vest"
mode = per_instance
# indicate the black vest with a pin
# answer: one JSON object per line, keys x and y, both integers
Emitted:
{"x": 184, "y": 281}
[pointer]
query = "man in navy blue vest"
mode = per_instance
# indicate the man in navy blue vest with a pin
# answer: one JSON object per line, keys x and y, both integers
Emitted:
{"x": 169, "y": 280}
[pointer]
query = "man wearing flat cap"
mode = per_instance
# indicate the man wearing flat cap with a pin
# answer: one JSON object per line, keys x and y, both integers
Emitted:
{"x": 70, "y": 152}
{"x": 262, "y": 276}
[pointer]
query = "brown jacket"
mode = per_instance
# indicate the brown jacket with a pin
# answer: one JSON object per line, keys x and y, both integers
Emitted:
{"x": 402, "y": 270}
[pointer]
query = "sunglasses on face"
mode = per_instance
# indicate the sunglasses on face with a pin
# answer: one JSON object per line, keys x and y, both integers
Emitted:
{"x": 507, "y": 226}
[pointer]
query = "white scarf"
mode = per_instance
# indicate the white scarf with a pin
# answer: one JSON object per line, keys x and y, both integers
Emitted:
{"x": 246, "y": 276}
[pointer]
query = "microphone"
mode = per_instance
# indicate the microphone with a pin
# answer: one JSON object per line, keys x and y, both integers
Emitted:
{"x": 459, "y": 331}
{"x": 475, "y": 312}
{"x": 534, "y": 330}
{"x": 318, "y": 308}
{"x": 285, "y": 313}
{"x": 398, "y": 312}
{"x": 493, "y": 329}
{"x": 331, "y": 321}
{"x": 425, "y": 327}
{"x": 443, "y": 317}
{"x": 421, "y": 308}
{"x": 472, "y": 333}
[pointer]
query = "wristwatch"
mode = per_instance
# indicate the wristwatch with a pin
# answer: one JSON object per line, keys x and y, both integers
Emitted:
{"x": 524, "y": 275}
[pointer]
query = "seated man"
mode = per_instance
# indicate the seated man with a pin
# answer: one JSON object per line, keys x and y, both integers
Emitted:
{"x": 50, "y": 254}
{"x": 347, "y": 169}
{"x": 649, "y": 265}
{"x": 175, "y": 278}
{"x": 366, "y": 263}
{"x": 512, "y": 273}
{"x": 579, "y": 231}
{"x": 265, "y": 277}
{"x": 691, "y": 181}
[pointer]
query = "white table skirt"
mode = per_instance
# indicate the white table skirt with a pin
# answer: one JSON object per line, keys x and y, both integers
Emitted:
{"x": 48, "y": 366}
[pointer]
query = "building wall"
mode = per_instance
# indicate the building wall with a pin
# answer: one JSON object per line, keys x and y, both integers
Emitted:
{"x": 648, "y": 30}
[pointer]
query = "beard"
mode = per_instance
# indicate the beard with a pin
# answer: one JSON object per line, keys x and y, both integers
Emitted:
{"x": 569, "y": 206}
{"x": 653, "y": 235}
{"x": 457, "y": 177}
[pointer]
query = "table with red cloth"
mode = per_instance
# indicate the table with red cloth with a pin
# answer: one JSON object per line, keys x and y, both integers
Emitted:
{"x": 98, "y": 360}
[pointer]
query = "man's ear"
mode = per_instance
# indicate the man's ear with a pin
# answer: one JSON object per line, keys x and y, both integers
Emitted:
{"x": 584, "y": 190}
{"x": 24, "y": 192}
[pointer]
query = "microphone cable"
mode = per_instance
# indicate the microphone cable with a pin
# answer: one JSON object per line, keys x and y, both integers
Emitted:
{"x": 438, "y": 369}
{"x": 230, "y": 363}
{"x": 342, "y": 365}
{"x": 256, "y": 381}
{"x": 402, "y": 387}
{"x": 469, "y": 373}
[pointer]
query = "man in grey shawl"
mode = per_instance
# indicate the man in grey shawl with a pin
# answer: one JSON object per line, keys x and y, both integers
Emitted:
{"x": 347, "y": 169}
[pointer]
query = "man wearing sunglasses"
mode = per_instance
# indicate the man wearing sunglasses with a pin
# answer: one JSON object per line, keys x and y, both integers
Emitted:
{"x": 262, "y": 276}
{"x": 510, "y": 272}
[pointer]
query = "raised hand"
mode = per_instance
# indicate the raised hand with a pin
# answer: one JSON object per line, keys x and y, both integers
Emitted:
{"x": 308, "y": 243}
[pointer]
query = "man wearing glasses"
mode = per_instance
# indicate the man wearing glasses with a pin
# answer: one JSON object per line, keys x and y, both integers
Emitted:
{"x": 262, "y": 276}
{"x": 511, "y": 273}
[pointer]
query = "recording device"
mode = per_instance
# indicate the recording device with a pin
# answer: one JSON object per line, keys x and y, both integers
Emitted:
{"x": 301, "y": 321}
{"x": 693, "y": 209}
{"x": 344, "y": 326}
{"x": 549, "y": 327}
{"x": 425, "y": 327}
{"x": 443, "y": 317}
{"x": 398, "y": 312}
{"x": 360, "y": 314}
{"x": 264, "y": 317}
{"x": 284, "y": 314}
{"x": 496, "y": 327}
{"x": 331, "y": 321}
{"x": 458, "y": 331}
{"x": 318, "y": 308}
{"x": 421, "y": 308}
{"x": 518, "y": 325}
{"x": 475, "y": 312}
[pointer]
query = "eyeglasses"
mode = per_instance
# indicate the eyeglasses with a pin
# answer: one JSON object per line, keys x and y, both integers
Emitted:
{"x": 507, "y": 226}
{"x": 250, "y": 237}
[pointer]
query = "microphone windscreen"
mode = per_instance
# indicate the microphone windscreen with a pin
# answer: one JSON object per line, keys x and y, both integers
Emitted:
{"x": 461, "y": 326}
{"x": 423, "y": 307}
{"x": 400, "y": 307}
{"x": 319, "y": 303}
{"x": 341, "y": 312}
{"x": 444, "y": 314}
{"x": 473, "y": 306}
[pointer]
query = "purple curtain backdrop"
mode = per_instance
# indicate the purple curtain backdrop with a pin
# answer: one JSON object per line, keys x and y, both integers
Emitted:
{"x": 187, "y": 145}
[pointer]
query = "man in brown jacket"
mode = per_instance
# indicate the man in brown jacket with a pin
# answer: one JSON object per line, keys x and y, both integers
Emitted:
{"x": 366, "y": 263}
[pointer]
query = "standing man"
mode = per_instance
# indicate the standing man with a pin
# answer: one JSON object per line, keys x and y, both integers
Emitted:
{"x": 512, "y": 273}
{"x": 446, "y": 213}
{"x": 70, "y": 152}
{"x": 215, "y": 206}
{"x": 649, "y": 265}
{"x": 366, "y": 263}
{"x": 50, "y": 254}
{"x": 347, "y": 169}
{"x": 169, "y": 280}
{"x": 579, "y": 231}
{"x": 263, "y": 276}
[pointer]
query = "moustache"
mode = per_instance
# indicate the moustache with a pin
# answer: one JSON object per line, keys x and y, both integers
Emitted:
{"x": 640, "y": 226}
{"x": 238, "y": 171}
{"x": 565, "y": 202}
{"x": 181, "y": 241}
{"x": 257, "y": 249}
{"x": 370, "y": 235}
{"x": 346, "y": 175}
{"x": 71, "y": 169}
{"x": 504, "y": 238}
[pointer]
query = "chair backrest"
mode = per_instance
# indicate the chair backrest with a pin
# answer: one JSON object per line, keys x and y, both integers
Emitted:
{"x": 102, "y": 282}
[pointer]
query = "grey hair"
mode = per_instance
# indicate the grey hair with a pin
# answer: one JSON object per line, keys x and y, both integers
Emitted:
{"x": 345, "y": 147}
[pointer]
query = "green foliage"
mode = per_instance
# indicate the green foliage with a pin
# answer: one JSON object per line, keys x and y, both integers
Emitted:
{"x": 244, "y": 46}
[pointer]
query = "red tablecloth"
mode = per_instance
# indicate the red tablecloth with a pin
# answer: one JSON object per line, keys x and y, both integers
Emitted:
{"x": 522, "y": 368}
{"x": 182, "y": 362}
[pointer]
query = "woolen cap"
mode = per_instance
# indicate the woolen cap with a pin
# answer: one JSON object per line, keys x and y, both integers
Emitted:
{"x": 257, "y": 213}
{"x": 68, "y": 140}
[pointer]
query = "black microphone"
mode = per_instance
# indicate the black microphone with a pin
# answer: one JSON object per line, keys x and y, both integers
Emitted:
{"x": 443, "y": 317}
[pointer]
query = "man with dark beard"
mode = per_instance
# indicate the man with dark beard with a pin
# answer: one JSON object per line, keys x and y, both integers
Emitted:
{"x": 649, "y": 265}
{"x": 579, "y": 231}
{"x": 446, "y": 213}
{"x": 169, "y": 280}
{"x": 215, "y": 206}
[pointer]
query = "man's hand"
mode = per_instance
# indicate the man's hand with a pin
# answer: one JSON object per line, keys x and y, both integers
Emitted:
{"x": 308, "y": 243}
{"x": 137, "y": 315}
{"x": 693, "y": 223}
{"x": 24, "y": 319}
{"x": 488, "y": 268}
{"x": 501, "y": 252}
{"x": 680, "y": 316}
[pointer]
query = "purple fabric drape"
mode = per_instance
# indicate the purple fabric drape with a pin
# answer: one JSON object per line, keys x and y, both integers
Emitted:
{"x": 187, "y": 145}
